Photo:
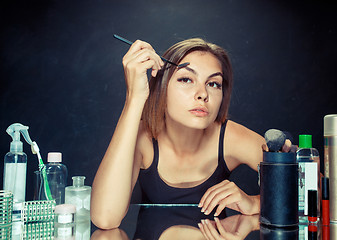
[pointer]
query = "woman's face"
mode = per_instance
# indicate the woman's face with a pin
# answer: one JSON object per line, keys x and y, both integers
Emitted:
{"x": 194, "y": 92}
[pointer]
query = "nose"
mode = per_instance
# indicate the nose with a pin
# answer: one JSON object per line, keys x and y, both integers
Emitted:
{"x": 201, "y": 93}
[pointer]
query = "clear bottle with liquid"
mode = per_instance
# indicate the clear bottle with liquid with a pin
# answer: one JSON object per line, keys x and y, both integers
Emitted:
{"x": 79, "y": 195}
{"x": 309, "y": 174}
{"x": 15, "y": 168}
{"x": 56, "y": 176}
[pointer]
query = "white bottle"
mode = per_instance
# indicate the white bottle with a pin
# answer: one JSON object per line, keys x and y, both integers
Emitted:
{"x": 79, "y": 195}
{"x": 56, "y": 176}
{"x": 15, "y": 168}
{"x": 309, "y": 174}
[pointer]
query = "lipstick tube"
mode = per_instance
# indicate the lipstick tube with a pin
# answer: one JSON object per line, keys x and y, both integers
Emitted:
{"x": 312, "y": 232}
{"x": 325, "y": 201}
{"x": 312, "y": 206}
{"x": 326, "y": 232}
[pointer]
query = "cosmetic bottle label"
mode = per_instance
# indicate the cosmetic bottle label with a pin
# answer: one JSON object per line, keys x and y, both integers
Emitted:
{"x": 307, "y": 180}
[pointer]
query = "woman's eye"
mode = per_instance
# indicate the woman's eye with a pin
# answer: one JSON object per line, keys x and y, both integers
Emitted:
{"x": 184, "y": 80}
{"x": 215, "y": 85}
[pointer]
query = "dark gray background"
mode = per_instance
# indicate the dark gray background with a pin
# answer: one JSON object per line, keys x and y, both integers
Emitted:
{"x": 61, "y": 71}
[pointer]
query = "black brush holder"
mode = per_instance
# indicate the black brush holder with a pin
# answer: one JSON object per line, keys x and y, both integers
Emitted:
{"x": 279, "y": 190}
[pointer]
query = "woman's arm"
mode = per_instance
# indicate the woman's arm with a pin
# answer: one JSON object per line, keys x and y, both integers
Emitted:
{"x": 243, "y": 146}
{"x": 118, "y": 171}
{"x": 115, "y": 234}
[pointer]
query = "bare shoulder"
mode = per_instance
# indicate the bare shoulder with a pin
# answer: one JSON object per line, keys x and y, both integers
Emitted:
{"x": 243, "y": 145}
{"x": 144, "y": 147}
{"x": 241, "y": 133}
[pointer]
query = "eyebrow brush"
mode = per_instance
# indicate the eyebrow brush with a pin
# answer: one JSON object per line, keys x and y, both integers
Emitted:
{"x": 164, "y": 59}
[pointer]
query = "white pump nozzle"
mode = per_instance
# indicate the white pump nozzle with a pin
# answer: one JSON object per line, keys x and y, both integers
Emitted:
{"x": 14, "y": 131}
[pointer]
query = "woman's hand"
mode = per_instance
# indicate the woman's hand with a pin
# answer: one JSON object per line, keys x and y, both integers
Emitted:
{"x": 140, "y": 57}
{"x": 233, "y": 227}
{"x": 228, "y": 194}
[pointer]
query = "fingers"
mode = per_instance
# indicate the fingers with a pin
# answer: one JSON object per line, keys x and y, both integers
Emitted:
{"x": 265, "y": 148}
{"x": 208, "y": 230}
{"x": 136, "y": 62}
{"x": 220, "y": 194}
{"x": 209, "y": 192}
{"x": 289, "y": 147}
{"x": 212, "y": 230}
{"x": 142, "y": 53}
{"x": 138, "y": 45}
{"x": 286, "y": 146}
{"x": 220, "y": 228}
{"x": 143, "y": 59}
{"x": 221, "y": 207}
{"x": 227, "y": 194}
{"x": 202, "y": 227}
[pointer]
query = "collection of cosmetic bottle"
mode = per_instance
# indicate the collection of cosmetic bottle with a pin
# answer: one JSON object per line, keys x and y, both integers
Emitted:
{"x": 54, "y": 201}
{"x": 315, "y": 188}
{"x": 292, "y": 188}
{"x": 293, "y": 191}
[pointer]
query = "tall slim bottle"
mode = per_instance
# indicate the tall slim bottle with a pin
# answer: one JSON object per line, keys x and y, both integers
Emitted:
{"x": 309, "y": 174}
{"x": 330, "y": 161}
{"x": 15, "y": 168}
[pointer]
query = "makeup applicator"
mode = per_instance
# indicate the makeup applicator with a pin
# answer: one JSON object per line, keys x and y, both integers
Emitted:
{"x": 275, "y": 139}
{"x": 164, "y": 59}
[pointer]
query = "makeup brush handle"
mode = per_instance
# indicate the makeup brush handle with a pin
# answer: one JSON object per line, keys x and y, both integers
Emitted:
{"x": 130, "y": 43}
{"x": 123, "y": 39}
{"x": 165, "y": 60}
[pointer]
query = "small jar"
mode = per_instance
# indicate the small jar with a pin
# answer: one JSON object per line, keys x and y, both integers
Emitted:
{"x": 65, "y": 213}
{"x": 65, "y": 221}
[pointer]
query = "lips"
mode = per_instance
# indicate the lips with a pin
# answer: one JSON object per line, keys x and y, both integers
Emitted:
{"x": 200, "y": 111}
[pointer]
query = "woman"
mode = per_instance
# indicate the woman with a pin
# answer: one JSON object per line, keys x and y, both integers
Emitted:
{"x": 174, "y": 136}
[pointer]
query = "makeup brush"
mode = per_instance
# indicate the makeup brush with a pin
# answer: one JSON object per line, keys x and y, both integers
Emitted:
{"x": 164, "y": 59}
{"x": 275, "y": 139}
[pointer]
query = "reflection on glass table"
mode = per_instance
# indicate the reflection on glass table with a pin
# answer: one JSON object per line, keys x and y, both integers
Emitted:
{"x": 47, "y": 230}
{"x": 180, "y": 222}
{"x": 169, "y": 222}
{"x": 188, "y": 222}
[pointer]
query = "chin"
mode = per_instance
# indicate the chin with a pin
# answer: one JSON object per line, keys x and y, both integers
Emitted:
{"x": 199, "y": 124}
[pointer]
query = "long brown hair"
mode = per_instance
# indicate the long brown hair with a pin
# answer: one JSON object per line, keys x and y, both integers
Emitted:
{"x": 154, "y": 110}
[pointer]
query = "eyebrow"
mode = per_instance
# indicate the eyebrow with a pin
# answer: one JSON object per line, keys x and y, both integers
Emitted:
{"x": 195, "y": 73}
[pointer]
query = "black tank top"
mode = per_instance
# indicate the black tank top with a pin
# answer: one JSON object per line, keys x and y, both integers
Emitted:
{"x": 155, "y": 190}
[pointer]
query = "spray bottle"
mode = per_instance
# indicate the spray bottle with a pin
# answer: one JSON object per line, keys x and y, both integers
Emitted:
{"x": 15, "y": 166}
